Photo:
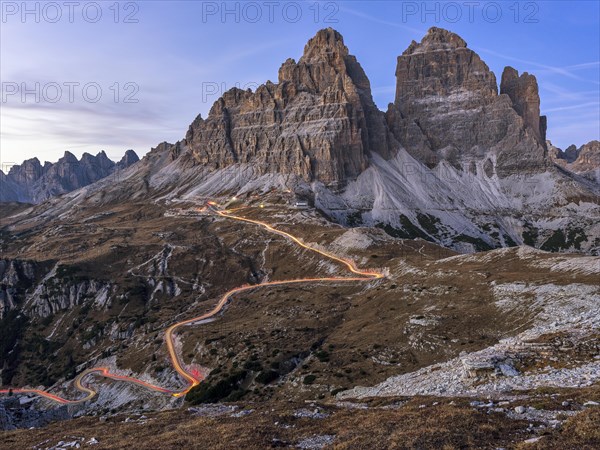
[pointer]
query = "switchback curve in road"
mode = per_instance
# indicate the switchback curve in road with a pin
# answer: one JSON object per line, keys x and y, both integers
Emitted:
{"x": 192, "y": 377}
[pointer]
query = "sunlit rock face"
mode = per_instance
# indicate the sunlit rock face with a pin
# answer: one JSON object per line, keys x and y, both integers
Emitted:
{"x": 447, "y": 107}
{"x": 318, "y": 122}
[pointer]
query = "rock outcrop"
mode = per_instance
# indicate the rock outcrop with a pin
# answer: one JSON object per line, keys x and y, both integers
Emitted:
{"x": 584, "y": 160}
{"x": 571, "y": 153}
{"x": 15, "y": 277}
{"x": 55, "y": 295}
{"x": 39, "y": 291}
{"x": 130, "y": 157}
{"x": 318, "y": 122}
{"x": 588, "y": 157}
{"x": 31, "y": 182}
{"x": 447, "y": 108}
{"x": 523, "y": 92}
{"x": 20, "y": 412}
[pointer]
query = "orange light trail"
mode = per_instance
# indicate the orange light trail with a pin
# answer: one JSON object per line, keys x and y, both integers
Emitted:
{"x": 193, "y": 376}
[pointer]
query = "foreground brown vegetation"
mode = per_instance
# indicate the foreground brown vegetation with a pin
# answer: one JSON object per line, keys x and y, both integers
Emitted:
{"x": 274, "y": 425}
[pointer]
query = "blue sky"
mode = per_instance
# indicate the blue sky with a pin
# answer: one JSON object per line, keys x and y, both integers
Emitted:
{"x": 175, "y": 58}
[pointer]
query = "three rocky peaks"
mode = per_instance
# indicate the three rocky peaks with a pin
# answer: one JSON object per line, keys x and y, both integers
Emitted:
{"x": 455, "y": 159}
{"x": 319, "y": 121}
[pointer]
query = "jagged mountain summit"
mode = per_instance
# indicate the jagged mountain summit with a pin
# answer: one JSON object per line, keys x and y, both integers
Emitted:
{"x": 584, "y": 160}
{"x": 32, "y": 182}
{"x": 319, "y": 122}
{"x": 455, "y": 159}
{"x": 190, "y": 278}
{"x": 447, "y": 107}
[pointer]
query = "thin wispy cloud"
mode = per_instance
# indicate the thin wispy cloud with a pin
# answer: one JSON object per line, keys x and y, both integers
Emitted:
{"x": 415, "y": 31}
{"x": 567, "y": 108}
{"x": 565, "y": 71}
{"x": 589, "y": 65}
{"x": 561, "y": 95}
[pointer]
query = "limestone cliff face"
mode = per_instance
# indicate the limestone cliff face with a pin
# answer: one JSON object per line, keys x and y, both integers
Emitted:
{"x": 442, "y": 66}
{"x": 523, "y": 92}
{"x": 447, "y": 108}
{"x": 15, "y": 277}
{"x": 318, "y": 122}
{"x": 588, "y": 156}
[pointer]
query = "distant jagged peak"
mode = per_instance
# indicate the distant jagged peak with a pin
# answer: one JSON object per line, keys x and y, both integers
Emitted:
{"x": 584, "y": 160}
{"x": 68, "y": 157}
{"x": 31, "y": 162}
{"x": 130, "y": 157}
{"x": 33, "y": 183}
{"x": 588, "y": 156}
{"x": 30, "y": 166}
{"x": 568, "y": 155}
{"x": 88, "y": 158}
{"x": 571, "y": 153}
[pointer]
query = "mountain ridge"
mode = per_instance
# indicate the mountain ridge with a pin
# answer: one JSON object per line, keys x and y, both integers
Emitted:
{"x": 216, "y": 267}
{"x": 584, "y": 161}
{"x": 456, "y": 159}
{"x": 30, "y": 182}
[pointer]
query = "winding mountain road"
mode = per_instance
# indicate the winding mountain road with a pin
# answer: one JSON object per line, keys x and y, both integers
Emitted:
{"x": 192, "y": 376}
